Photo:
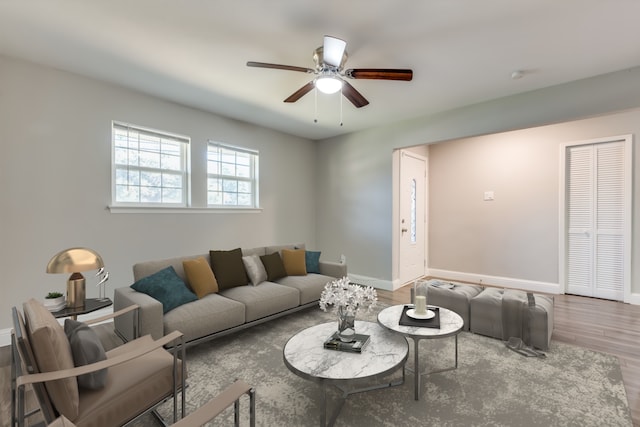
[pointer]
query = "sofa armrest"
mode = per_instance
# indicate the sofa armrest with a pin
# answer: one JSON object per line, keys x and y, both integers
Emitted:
{"x": 112, "y": 315}
{"x": 150, "y": 315}
{"x": 333, "y": 269}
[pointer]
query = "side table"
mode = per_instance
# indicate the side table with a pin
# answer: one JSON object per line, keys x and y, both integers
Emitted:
{"x": 450, "y": 325}
{"x": 90, "y": 305}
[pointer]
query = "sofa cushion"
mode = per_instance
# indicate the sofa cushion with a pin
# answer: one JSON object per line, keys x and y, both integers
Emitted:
{"x": 294, "y": 262}
{"x": 53, "y": 353}
{"x": 255, "y": 269}
{"x": 167, "y": 287}
{"x": 228, "y": 268}
{"x": 312, "y": 261}
{"x": 274, "y": 266}
{"x": 132, "y": 385}
{"x": 86, "y": 349}
{"x": 208, "y": 315}
{"x": 309, "y": 286}
{"x": 264, "y": 300}
{"x": 200, "y": 276}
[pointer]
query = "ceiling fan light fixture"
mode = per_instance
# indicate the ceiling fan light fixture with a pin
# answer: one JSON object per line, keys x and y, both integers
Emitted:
{"x": 328, "y": 84}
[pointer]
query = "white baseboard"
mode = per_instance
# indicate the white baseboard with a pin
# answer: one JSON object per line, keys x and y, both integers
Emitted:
{"x": 507, "y": 282}
{"x": 5, "y": 334}
{"x": 372, "y": 281}
{"x": 634, "y": 299}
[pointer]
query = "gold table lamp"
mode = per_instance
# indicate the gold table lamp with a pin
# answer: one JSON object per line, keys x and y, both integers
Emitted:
{"x": 75, "y": 260}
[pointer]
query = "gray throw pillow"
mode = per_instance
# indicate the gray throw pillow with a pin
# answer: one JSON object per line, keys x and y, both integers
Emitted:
{"x": 255, "y": 269}
{"x": 86, "y": 349}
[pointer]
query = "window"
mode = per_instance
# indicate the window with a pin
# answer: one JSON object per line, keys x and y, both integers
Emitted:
{"x": 232, "y": 176}
{"x": 149, "y": 167}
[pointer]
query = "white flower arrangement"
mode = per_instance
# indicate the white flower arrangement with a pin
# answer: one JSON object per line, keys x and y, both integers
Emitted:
{"x": 343, "y": 293}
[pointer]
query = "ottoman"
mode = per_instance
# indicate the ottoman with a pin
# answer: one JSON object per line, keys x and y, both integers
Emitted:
{"x": 455, "y": 299}
{"x": 500, "y": 312}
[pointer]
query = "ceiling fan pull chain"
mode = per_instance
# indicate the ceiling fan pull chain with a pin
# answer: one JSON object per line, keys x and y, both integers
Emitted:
{"x": 315, "y": 102}
{"x": 340, "y": 109}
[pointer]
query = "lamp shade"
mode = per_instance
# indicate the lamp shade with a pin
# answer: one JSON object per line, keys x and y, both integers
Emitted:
{"x": 75, "y": 260}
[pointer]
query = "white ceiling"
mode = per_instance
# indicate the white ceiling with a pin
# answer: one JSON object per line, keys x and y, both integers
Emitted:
{"x": 195, "y": 51}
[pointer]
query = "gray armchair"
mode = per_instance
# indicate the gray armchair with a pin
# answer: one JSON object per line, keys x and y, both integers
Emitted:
{"x": 140, "y": 374}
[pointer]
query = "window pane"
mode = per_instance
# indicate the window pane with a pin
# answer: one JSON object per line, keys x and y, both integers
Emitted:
{"x": 229, "y": 170}
{"x": 243, "y": 171}
{"x": 214, "y": 198}
{"x": 150, "y": 159}
{"x": 127, "y": 193}
{"x": 230, "y": 199}
{"x": 214, "y": 184}
{"x": 150, "y": 194}
{"x": 244, "y": 200}
{"x": 244, "y": 187}
{"x": 171, "y": 195}
{"x": 171, "y": 180}
{"x": 230, "y": 186}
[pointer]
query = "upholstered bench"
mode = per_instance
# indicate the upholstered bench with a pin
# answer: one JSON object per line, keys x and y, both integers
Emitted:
{"x": 506, "y": 313}
{"x": 454, "y": 296}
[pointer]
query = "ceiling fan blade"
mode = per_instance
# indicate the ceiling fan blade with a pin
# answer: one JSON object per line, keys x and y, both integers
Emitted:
{"x": 332, "y": 50}
{"x": 380, "y": 74}
{"x": 279, "y": 67}
{"x": 300, "y": 92}
{"x": 353, "y": 95}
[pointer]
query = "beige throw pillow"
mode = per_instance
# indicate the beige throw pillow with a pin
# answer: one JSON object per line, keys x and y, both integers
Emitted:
{"x": 200, "y": 276}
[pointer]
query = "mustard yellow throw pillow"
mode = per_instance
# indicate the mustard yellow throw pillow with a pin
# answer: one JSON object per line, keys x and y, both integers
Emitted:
{"x": 200, "y": 276}
{"x": 294, "y": 262}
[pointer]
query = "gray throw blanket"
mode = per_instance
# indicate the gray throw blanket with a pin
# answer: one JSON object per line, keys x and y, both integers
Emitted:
{"x": 516, "y": 317}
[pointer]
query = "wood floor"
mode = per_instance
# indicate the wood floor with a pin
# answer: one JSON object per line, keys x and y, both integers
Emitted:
{"x": 605, "y": 326}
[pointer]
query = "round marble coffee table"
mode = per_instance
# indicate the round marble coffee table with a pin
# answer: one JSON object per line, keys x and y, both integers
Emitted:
{"x": 450, "y": 325}
{"x": 306, "y": 357}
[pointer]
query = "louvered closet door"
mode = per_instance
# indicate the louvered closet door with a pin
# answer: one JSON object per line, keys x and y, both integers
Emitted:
{"x": 596, "y": 220}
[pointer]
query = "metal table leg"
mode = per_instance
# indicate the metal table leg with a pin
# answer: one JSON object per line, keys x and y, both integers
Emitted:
{"x": 416, "y": 365}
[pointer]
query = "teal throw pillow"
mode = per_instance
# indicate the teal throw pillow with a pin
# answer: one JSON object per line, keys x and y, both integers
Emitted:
{"x": 167, "y": 287}
{"x": 312, "y": 259}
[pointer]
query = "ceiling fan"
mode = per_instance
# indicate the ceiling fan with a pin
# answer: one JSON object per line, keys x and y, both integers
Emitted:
{"x": 330, "y": 73}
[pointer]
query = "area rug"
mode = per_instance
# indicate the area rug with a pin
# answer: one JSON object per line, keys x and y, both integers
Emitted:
{"x": 493, "y": 386}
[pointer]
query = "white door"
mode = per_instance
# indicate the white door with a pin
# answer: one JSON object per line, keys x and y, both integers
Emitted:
{"x": 412, "y": 216}
{"x": 598, "y": 217}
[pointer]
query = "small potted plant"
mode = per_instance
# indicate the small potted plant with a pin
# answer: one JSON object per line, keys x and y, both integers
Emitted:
{"x": 54, "y": 301}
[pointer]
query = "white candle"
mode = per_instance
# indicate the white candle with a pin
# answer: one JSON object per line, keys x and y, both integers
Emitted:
{"x": 421, "y": 304}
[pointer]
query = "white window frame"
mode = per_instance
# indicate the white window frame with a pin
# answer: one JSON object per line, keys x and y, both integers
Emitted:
{"x": 182, "y": 170}
{"x": 229, "y": 198}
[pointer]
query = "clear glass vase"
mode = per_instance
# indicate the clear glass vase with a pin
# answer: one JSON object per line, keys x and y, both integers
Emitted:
{"x": 346, "y": 323}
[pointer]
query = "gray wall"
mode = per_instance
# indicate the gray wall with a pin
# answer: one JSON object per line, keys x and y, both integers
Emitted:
{"x": 55, "y": 134}
{"x": 520, "y": 240}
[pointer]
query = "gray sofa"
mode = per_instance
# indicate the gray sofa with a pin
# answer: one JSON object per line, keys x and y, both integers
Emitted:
{"x": 226, "y": 311}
